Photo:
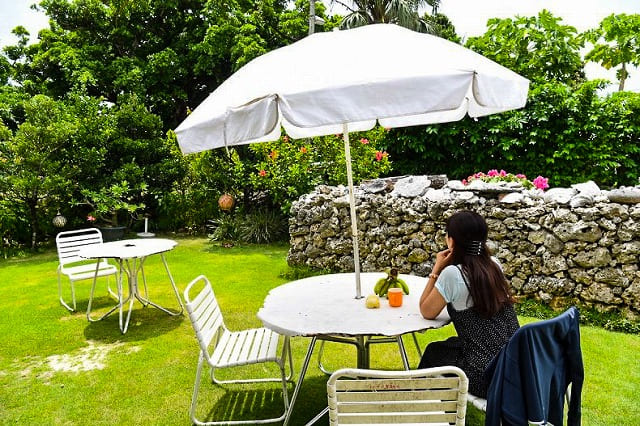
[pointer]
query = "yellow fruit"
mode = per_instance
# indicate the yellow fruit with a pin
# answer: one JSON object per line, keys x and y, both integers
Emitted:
{"x": 372, "y": 301}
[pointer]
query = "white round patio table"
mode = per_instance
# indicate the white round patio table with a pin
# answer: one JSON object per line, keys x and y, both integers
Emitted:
{"x": 324, "y": 307}
{"x": 131, "y": 255}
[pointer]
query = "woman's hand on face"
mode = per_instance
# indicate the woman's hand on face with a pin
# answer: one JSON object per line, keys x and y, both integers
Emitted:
{"x": 443, "y": 259}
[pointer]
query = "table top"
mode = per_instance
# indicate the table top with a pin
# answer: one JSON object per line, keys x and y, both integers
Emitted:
{"x": 326, "y": 305}
{"x": 127, "y": 249}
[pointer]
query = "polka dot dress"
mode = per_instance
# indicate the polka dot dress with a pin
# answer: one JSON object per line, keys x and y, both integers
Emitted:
{"x": 479, "y": 340}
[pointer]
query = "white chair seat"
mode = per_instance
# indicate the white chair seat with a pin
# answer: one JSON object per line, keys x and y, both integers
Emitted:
{"x": 479, "y": 403}
{"x": 245, "y": 347}
{"x": 84, "y": 272}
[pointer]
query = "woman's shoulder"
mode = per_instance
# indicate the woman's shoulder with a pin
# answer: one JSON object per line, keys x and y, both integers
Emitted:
{"x": 451, "y": 271}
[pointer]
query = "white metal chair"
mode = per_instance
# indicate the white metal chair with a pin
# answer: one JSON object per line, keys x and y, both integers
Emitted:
{"x": 426, "y": 396}
{"x": 77, "y": 268}
{"x": 221, "y": 348}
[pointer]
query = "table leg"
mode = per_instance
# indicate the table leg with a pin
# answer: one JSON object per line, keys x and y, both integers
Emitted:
{"x": 303, "y": 372}
{"x": 133, "y": 285}
{"x": 93, "y": 287}
{"x": 146, "y": 301}
{"x": 363, "y": 352}
{"x": 144, "y": 281}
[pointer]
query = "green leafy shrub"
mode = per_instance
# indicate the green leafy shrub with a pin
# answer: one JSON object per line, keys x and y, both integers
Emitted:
{"x": 612, "y": 320}
{"x": 263, "y": 226}
{"x": 224, "y": 228}
{"x": 298, "y": 272}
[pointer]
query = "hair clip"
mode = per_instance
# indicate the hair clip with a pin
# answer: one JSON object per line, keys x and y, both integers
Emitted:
{"x": 474, "y": 248}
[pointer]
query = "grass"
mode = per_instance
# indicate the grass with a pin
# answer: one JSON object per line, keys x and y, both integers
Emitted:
{"x": 146, "y": 376}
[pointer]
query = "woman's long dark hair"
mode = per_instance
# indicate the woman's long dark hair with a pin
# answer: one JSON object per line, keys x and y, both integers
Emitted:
{"x": 487, "y": 284}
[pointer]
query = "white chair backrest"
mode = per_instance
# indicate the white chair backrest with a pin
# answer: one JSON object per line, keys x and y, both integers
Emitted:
{"x": 204, "y": 313}
{"x": 359, "y": 396}
{"x": 69, "y": 243}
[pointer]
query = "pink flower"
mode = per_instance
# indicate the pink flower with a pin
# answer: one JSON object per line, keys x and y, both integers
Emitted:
{"x": 262, "y": 173}
{"x": 503, "y": 173}
{"x": 464, "y": 182}
{"x": 541, "y": 182}
{"x": 521, "y": 176}
{"x": 91, "y": 218}
{"x": 364, "y": 141}
{"x": 492, "y": 173}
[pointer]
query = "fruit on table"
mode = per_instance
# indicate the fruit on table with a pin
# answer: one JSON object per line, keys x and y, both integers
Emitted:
{"x": 372, "y": 301}
{"x": 391, "y": 281}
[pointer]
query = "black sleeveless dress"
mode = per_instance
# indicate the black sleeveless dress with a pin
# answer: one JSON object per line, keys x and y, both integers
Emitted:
{"x": 479, "y": 340}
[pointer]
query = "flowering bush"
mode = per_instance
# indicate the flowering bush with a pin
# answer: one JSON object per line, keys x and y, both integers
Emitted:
{"x": 495, "y": 176}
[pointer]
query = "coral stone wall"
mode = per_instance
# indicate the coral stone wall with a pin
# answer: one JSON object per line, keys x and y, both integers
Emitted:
{"x": 560, "y": 245}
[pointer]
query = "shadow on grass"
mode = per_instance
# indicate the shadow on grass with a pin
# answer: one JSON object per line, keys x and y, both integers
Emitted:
{"x": 146, "y": 322}
{"x": 250, "y": 403}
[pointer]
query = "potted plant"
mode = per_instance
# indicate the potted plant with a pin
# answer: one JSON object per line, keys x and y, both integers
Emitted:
{"x": 110, "y": 204}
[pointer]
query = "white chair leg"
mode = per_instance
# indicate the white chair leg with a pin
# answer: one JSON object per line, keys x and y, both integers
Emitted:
{"x": 415, "y": 340}
{"x": 109, "y": 290}
{"x": 73, "y": 295}
{"x": 196, "y": 386}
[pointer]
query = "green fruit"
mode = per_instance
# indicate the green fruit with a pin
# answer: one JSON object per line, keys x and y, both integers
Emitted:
{"x": 385, "y": 288}
{"x": 403, "y": 285}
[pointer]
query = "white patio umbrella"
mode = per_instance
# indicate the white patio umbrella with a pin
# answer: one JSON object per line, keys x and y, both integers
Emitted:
{"x": 342, "y": 81}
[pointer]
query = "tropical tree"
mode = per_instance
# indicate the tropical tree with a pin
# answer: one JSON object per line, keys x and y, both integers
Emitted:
{"x": 616, "y": 43}
{"x": 169, "y": 53}
{"x": 33, "y": 173}
{"x": 566, "y": 131}
{"x": 442, "y": 26}
{"x": 401, "y": 12}
{"x": 540, "y": 47}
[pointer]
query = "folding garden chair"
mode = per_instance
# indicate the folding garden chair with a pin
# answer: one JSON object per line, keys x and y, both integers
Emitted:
{"x": 426, "y": 396}
{"x": 221, "y": 348}
{"x": 77, "y": 268}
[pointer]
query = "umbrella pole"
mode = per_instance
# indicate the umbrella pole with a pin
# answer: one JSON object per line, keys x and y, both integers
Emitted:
{"x": 352, "y": 206}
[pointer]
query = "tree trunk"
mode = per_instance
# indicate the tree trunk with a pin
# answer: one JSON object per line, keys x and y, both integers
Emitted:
{"x": 623, "y": 77}
{"x": 33, "y": 218}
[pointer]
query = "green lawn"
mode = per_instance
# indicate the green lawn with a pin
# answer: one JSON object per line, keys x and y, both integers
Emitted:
{"x": 146, "y": 376}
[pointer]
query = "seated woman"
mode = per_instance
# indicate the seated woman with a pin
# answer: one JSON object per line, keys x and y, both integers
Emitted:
{"x": 471, "y": 284}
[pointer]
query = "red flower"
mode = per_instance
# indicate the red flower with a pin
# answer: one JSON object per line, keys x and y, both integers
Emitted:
{"x": 262, "y": 172}
{"x": 380, "y": 155}
{"x": 303, "y": 150}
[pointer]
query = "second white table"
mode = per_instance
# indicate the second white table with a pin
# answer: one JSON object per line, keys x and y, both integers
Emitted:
{"x": 131, "y": 255}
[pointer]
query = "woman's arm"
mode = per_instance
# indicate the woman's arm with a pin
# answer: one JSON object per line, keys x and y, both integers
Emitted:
{"x": 431, "y": 301}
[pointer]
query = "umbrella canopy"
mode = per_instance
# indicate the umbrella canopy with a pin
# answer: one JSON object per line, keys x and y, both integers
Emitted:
{"x": 344, "y": 81}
